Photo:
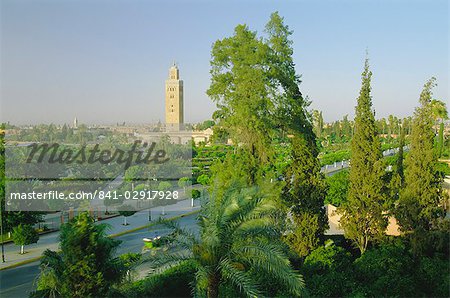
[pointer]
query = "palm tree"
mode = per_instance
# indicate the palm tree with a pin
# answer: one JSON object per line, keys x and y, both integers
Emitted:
{"x": 238, "y": 237}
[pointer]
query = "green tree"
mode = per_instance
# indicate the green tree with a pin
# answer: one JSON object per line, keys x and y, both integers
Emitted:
{"x": 239, "y": 87}
{"x": 383, "y": 125}
{"x": 164, "y": 186}
{"x": 238, "y": 239}
{"x": 337, "y": 188}
{"x": 195, "y": 194}
{"x": 220, "y": 135}
{"x": 205, "y": 125}
{"x": 132, "y": 174}
{"x": 397, "y": 177}
{"x": 362, "y": 214}
{"x": 203, "y": 179}
{"x": 391, "y": 125}
{"x": 85, "y": 267}
{"x": 419, "y": 207}
{"x": 328, "y": 272}
{"x": 438, "y": 111}
{"x": 346, "y": 127}
{"x": 11, "y": 219}
{"x": 15, "y": 218}
{"x": 255, "y": 86}
{"x": 381, "y": 267}
{"x": 291, "y": 115}
{"x": 317, "y": 122}
{"x": 184, "y": 182}
{"x": 304, "y": 195}
{"x": 305, "y": 187}
{"x": 126, "y": 211}
{"x": 24, "y": 235}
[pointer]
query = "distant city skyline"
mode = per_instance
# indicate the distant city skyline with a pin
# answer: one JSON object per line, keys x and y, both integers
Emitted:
{"x": 106, "y": 62}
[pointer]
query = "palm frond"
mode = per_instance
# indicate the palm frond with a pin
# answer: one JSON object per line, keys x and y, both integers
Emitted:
{"x": 270, "y": 258}
{"x": 257, "y": 227}
{"x": 239, "y": 279}
{"x": 163, "y": 261}
{"x": 200, "y": 282}
{"x": 52, "y": 259}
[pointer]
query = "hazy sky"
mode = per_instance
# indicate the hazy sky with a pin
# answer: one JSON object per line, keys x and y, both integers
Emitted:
{"x": 106, "y": 61}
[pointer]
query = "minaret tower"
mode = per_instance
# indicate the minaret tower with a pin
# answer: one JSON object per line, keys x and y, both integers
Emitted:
{"x": 174, "y": 99}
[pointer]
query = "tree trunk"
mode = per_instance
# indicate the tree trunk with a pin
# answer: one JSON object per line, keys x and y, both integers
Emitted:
{"x": 21, "y": 249}
{"x": 213, "y": 285}
{"x": 124, "y": 220}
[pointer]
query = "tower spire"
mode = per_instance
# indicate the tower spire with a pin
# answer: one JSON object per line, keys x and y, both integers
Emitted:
{"x": 174, "y": 99}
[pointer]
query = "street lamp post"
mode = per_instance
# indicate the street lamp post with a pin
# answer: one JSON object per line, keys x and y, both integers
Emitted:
{"x": 1, "y": 233}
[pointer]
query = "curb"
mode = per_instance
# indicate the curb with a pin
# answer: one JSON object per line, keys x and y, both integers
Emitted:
{"x": 21, "y": 263}
{"x": 111, "y": 236}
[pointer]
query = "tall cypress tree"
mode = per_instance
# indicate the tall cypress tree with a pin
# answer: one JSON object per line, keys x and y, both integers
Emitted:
{"x": 418, "y": 209}
{"x": 305, "y": 187}
{"x": 362, "y": 215}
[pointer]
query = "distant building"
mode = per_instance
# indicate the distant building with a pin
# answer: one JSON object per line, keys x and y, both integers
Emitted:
{"x": 174, "y": 128}
{"x": 75, "y": 123}
{"x": 174, "y": 100}
{"x": 393, "y": 229}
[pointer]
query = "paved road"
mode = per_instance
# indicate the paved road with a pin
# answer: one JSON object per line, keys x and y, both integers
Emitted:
{"x": 331, "y": 169}
{"x": 50, "y": 241}
{"x": 18, "y": 282}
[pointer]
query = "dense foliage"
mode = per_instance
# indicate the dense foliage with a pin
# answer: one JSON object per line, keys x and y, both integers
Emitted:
{"x": 85, "y": 267}
{"x": 387, "y": 270}
{"x": 337, "y": 188}
{"x": 262, "y": 225}
{"x": 174, "y": 282}
{"x": 239, "y": 240}
{"x": 362, "y": 214}
{"x": 420, "y": 209}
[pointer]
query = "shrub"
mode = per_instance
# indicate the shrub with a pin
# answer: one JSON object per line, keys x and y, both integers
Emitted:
{"x": 327, "y": 271}
{"x": 174, "y": 282}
